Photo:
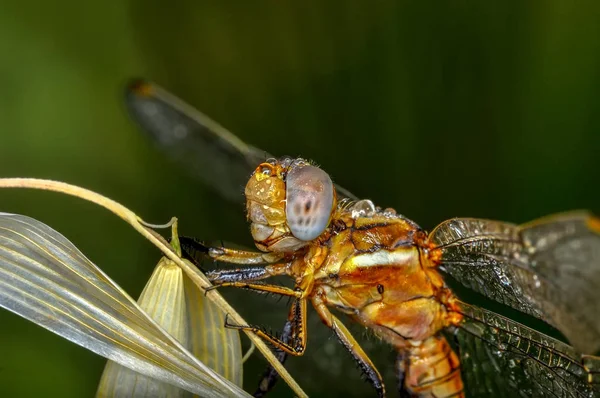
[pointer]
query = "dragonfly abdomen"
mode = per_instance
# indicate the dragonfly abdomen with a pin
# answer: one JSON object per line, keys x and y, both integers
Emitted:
{"x": 431, "y": 369}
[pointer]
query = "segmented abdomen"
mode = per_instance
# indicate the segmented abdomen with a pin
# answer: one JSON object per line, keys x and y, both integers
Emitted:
{"x": 432, "y": 369}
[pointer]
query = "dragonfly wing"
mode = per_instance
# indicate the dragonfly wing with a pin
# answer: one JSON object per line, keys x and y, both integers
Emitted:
{"x": 502, "y": 358}
{"x": 549, "y": 268}
{"x": 343, "y": 193}
{"x": 201, "y": 145}
{"x": 191, "y": 138}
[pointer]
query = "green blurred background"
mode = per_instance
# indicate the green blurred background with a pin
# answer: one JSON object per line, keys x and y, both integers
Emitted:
{"x": 440, "y": 109}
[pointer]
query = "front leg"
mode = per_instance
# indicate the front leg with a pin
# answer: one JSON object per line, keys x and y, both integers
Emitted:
{"x": 195, "y": 248}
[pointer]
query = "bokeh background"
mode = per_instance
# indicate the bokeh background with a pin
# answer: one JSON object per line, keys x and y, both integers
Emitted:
{"x": 439, "y": 109}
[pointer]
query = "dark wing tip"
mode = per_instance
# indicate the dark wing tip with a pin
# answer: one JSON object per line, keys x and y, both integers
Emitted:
{"x": 593, "y": 223}
{"x": 140, "y": 87}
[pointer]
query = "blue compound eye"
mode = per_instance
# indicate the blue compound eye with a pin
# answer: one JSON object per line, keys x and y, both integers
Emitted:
{"x": 309, "y": 201}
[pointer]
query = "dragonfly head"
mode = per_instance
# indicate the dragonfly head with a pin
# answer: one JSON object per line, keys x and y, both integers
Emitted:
{"x": 289, "y": 202}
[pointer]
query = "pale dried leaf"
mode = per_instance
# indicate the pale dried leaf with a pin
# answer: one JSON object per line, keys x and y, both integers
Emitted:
{"x": 44, "y": 278}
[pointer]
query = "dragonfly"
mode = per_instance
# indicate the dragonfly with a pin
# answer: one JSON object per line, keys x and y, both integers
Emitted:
{"x": 349, "y": 256}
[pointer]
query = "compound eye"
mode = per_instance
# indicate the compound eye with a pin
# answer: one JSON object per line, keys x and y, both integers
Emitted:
{"x": 309, "y": 201}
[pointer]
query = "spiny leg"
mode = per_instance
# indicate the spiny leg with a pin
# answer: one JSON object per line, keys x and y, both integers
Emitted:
{"x": 246, "y": 274}
{"x": 195, "y": 249}
{"x": 348, "y": 341}
{"x": 262, "y": 288}
{"x": 246, "y": 257}
{"x": 297, "y": 343}
{"x": 294, "y": 328}
{"x": 270, "y": 376}
{"x": 291, "y": 330}
{"x": 367, "y": 367}
{"x": 237, "y": 275}
{"x": 236, "y": 278}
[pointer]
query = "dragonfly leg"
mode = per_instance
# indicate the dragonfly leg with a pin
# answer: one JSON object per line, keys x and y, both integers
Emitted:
{"x": 348, "y": 341}
{"x": 297, "y": 341}
{"x": 246, "y": 274}
{"x": 261, "y": 288}
{"x": 270, "y": 376}
{"x": 196, "y": 249}
{"x": 237, "y": 275}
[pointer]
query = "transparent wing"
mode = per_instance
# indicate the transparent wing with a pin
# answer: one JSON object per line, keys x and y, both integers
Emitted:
{"x": 201, "y": 145}
{"x": 549, "y": 268}
{"x": 502, "y": 358}
{"x": 45, "y": 279}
